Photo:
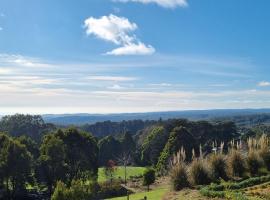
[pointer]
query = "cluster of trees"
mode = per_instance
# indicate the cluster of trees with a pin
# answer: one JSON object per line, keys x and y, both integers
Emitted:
{"x": 101, "y": 129}
{"x": 168, "y": 137}
{"x": 155, "y": 144}
{"x": 30, "y": 125}
{"x": 66, "y": 156}
{"x": 111, "y": 148}
{"x": 16, "y": 164}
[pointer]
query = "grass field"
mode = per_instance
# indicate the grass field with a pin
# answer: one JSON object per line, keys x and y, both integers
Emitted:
{"x": 120, "y": 172}
{"x": 156, "y": 194}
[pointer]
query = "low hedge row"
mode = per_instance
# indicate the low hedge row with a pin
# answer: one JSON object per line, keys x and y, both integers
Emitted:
{"x": 215, "y": 190}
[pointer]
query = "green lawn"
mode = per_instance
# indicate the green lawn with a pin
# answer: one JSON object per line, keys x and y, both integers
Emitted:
{"x": 156, "y": 194}
{"x": 131, "y": 171}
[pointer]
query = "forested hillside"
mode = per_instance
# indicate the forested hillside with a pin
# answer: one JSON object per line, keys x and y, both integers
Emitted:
{"x": 30, "y": 125}
{"x": 55, "y": 159}
{"x": 100, "y": 129}
{"x": 80, "y": 119}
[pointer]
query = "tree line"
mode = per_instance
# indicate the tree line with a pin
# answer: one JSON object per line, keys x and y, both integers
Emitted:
{"x": 65, "y": 155}
{"x": 37, "y": 156}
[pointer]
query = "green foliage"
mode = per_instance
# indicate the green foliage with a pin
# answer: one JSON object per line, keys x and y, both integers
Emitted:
{"x": 67, "y": 155}
{"x": 101, "y": 129}
{"x": 127, "y": 143}
{"x": 52, "y": 165}
{"x": 109, "y": 148}
{"x": 108, "y": 190}
{"x": 198, "y": 172}
{"x": 15, "y": 164}
{"x": 61, "y": 192}
{"x": 236, "y": 163}
{"x": 218, "y": 167}
{"x": 179, "y": 138}
{"x": 110, "y": 170}
{"x": 231, "y": 190}
{"x": 149, "y": 177}
{"x": 81, "y": 153}
{"x": 212, "y": 194}
{"x": 78, "y": 190}
{"x": 179, "y": 176}
{"x": 30, "y": 144}
{"x": 153, "y": 145}
{"x": 30, "y": 125}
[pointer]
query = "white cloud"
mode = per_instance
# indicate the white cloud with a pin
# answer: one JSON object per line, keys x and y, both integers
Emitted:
{"x": 118, "y": 31}
{"x": 133, "y": 49}
{"x": 112, "y": 78}
{"x": 264, "y": 84}
{"x": 115, "y": 87}
{"x": 161, "y": 84}
{"x": 22, "y": 61}
{"x": 163, "y": 3}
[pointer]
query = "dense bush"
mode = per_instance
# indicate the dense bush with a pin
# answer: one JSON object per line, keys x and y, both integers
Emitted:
{"x": 149, "y": 177}
{"x": 236, "y": 163}
{"x": 218, "y": 167}
{"x": 198, "y": 172}
{"x": 77, "y": 191}
{"x": 108, "y": 190}
{"x": 265, "y": 155}
{"x": 254, "y": 162}
{"x": 179, "y": 176}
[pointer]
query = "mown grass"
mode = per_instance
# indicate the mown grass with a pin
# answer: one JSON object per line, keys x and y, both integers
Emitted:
{"x": 155, "y": 194}
{"x": 120, "y": 172}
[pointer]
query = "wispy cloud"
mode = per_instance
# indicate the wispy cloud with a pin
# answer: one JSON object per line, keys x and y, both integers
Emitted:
{"x": 116, "y": 87}
{"x": 123, "y": 82}
{"x": 112, "y": 78}
{"x": 22, "y": 61}
{"x": 161, "y": 84}
{"x": 264, "y": 84}
{"x": 163, "y": 3}
{"x": 118, "y": 31}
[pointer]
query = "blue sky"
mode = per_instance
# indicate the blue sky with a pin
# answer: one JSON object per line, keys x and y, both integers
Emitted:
{"x": 107, "y": 56}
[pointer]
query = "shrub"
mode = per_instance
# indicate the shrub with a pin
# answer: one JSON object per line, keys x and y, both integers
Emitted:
{"x": 236, "y": 163}
{"x": 212, "y": 194}
{"x": 265, "y": 155}
{"x": 77, "y": 191}
{"x": 149, "y": 177}
{"x": 235, "y": 195}
{"x": 108, "y": 190}
{"x": 254, "y": 162}
{"x": 198, "y": 172}
{"x": 179, "y": 177}
{"x": 60, "y": 192}
{"x": 218, "y": 166}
